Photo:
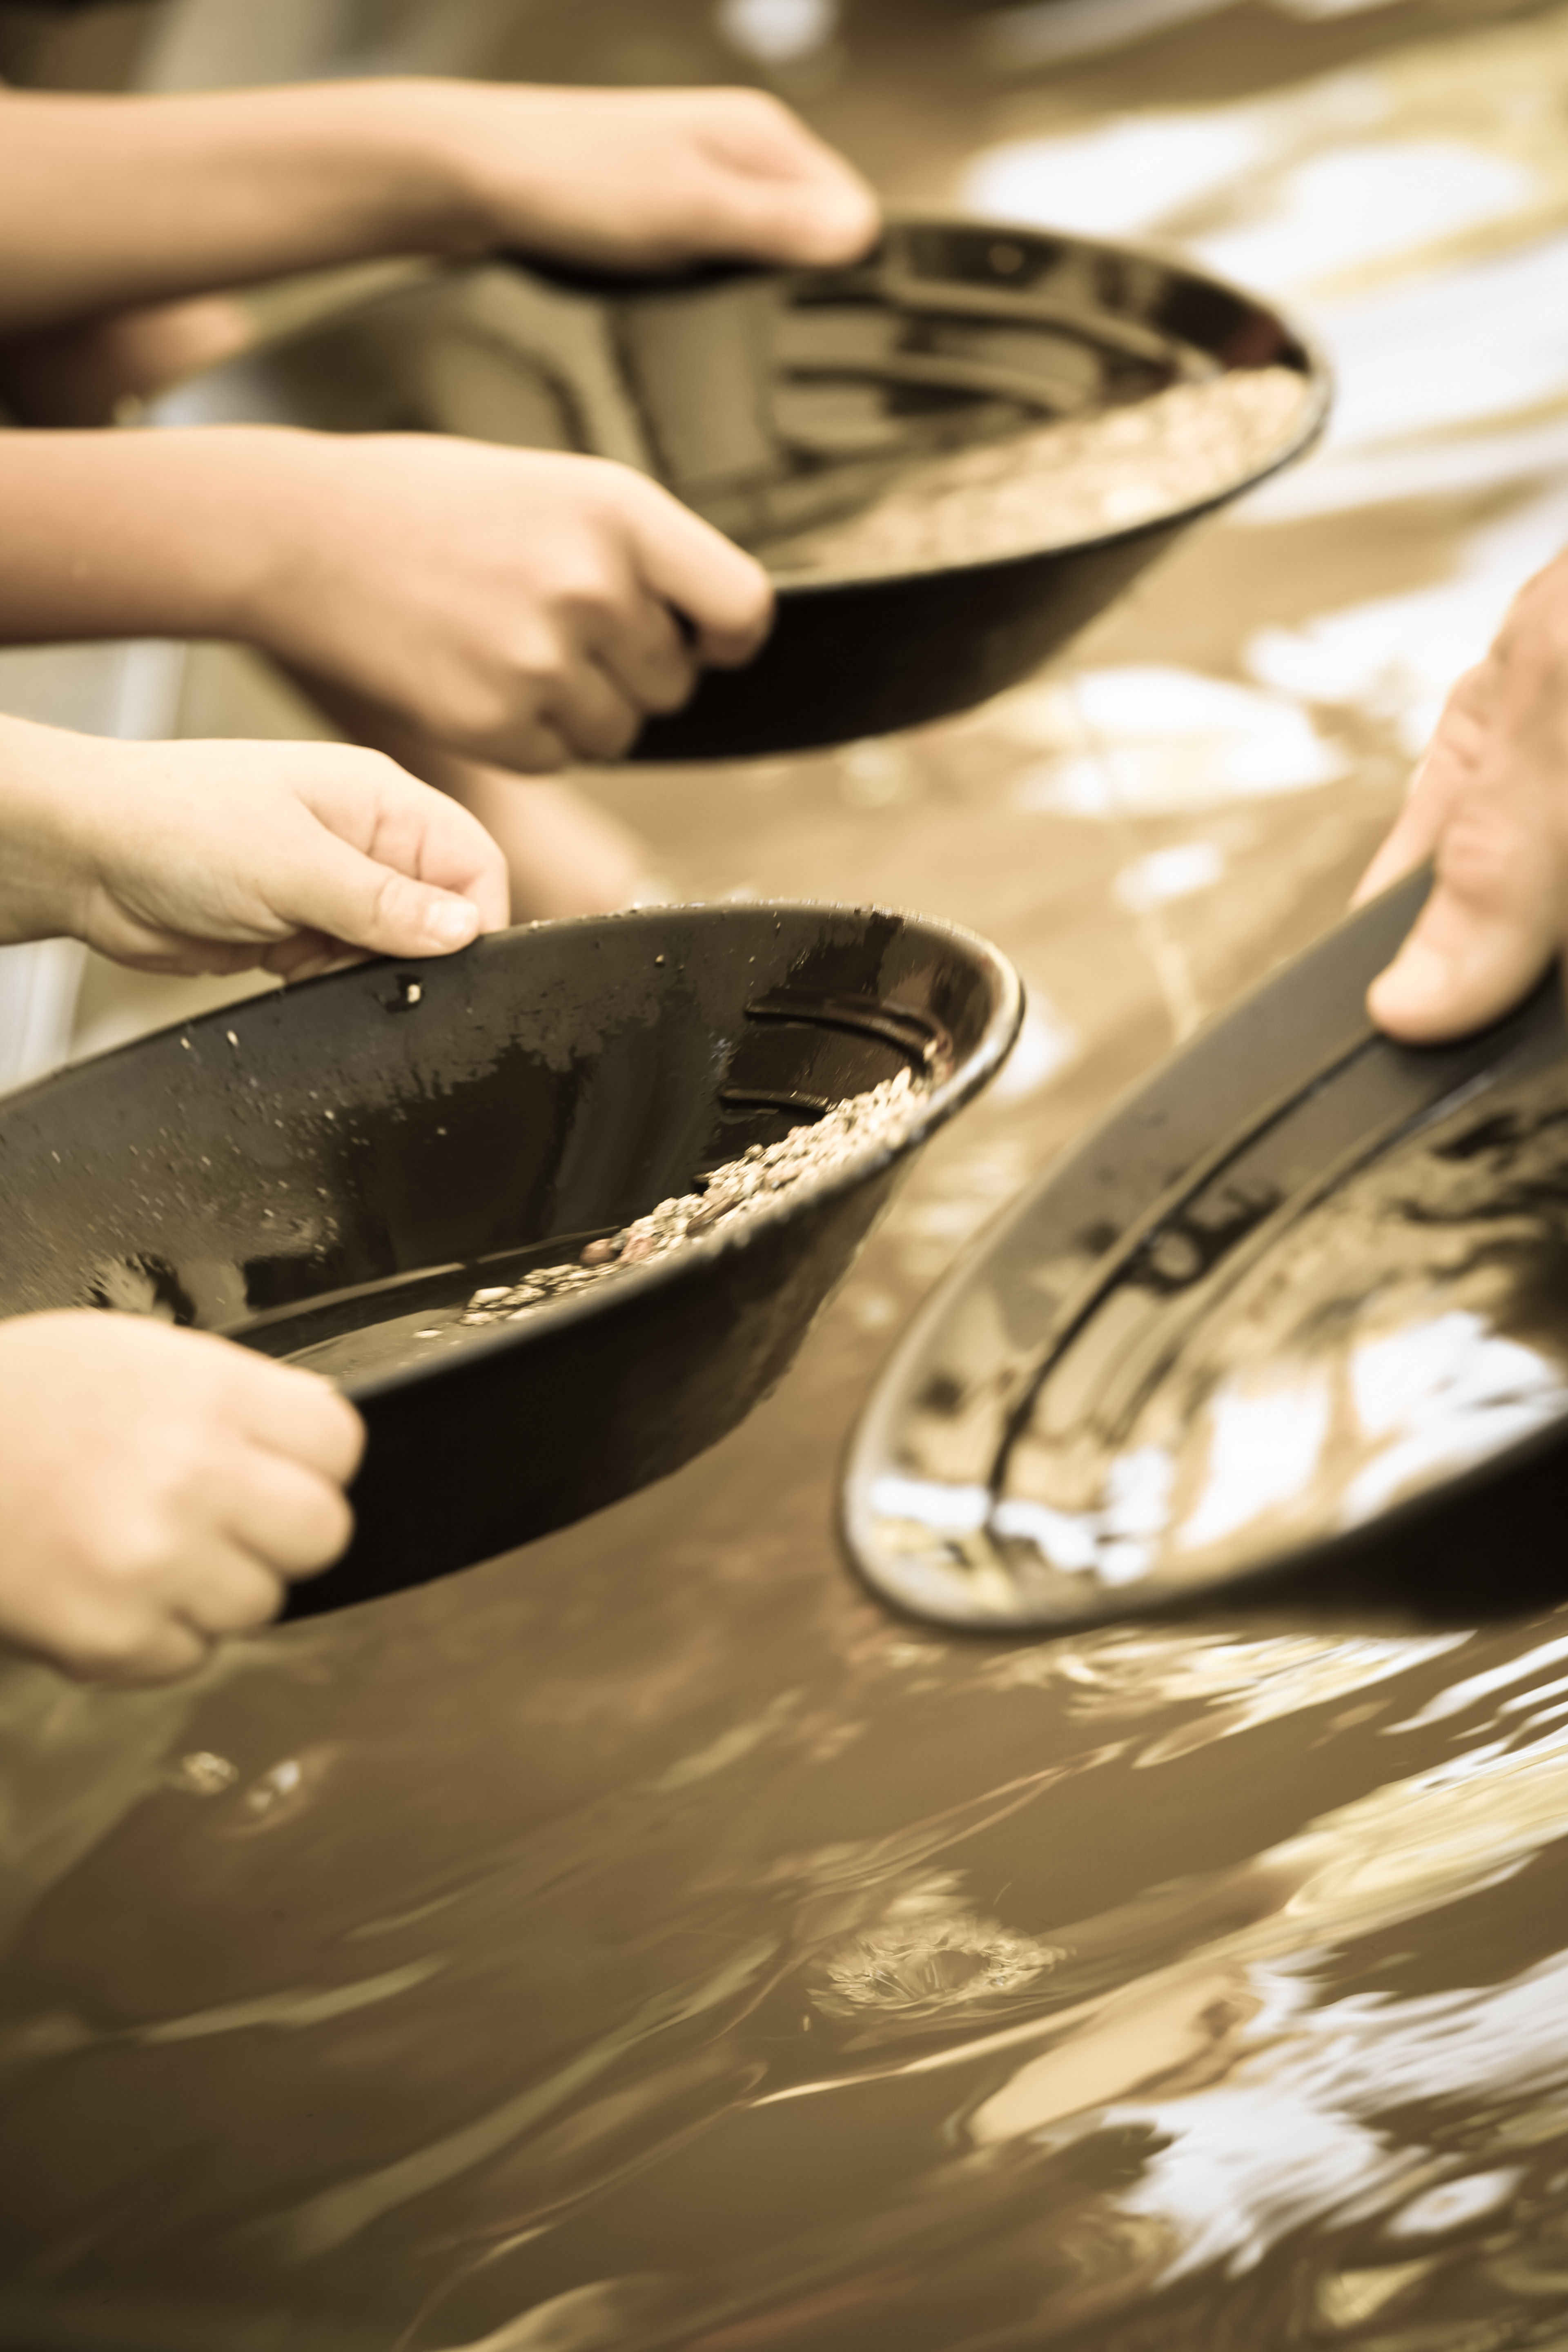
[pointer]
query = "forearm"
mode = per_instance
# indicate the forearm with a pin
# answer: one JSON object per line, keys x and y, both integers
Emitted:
{"x": 107, "y": 202}
{"x": 140, "y": 535}
{"x": 51, "y": 785}
{"x": 113, "y": 535}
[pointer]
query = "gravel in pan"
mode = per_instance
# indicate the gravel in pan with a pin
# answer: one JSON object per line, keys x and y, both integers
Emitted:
{"x": 1061, "y": 483}
{"x": 731, "y": 1193}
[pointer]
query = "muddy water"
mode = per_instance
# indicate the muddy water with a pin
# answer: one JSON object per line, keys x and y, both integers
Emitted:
{"x": 645, "y": 1940}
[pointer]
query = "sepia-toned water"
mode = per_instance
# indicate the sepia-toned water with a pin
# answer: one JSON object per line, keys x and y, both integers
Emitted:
{"x": 645, "y": 1940}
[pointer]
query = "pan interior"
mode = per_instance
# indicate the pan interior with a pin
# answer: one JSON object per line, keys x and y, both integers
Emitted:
{"x": 968, "y": 393}
{"x": 329, "y": 1174}
{"x": 1269, "y": 1369}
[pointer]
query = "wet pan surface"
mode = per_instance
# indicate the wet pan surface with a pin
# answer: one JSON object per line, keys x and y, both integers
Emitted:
{"x": 951, "y": 458}
{"x": 1236, "y": 1337}
{"x": 329, "y": 1174}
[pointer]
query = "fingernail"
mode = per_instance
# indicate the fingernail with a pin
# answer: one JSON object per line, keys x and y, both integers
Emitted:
{"x": 452, "y": 922}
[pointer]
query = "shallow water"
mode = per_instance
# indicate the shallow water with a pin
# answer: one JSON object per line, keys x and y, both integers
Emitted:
{"x": 645, "y": 1940}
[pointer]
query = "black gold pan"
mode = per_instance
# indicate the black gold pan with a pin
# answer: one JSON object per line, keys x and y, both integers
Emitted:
{"x": 328, "y": 1173}
{"x": 1295, "y": 1315}
{"x": 816, "y": 416}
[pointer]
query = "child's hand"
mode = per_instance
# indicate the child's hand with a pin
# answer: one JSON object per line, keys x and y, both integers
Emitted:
{"x": 1489, "y": 806}
{"x": 160, "y": 1489}
{"x": 643, "y": 178}
{"x": 513, "y": 605}
{"x": 191, "y": 857}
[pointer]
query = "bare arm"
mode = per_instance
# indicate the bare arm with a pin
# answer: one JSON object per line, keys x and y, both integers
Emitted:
{"x": 512, "y": 605}
{"x": 129, "y": 534}
{"x": 106, "y": 203}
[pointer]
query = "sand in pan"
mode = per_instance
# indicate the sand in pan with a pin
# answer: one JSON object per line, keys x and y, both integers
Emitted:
{"x": 1062, "y": 483}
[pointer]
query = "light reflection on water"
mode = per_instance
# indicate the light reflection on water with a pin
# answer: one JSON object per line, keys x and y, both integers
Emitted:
{"x": 1183, "y": 2122}
{"x": 1185, "y": 2075}
{"x": 1413, "y": 212}
{"x": 1288, "y": 2122}
{"x": 1162, "y": 740}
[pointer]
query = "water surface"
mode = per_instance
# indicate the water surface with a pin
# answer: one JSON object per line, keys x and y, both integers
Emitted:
{"x": 647, "y": 1941}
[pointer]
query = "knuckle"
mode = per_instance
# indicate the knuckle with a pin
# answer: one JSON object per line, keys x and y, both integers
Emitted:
{"x": 671, "y": 687}
{"x": 744, "y": 603}
{"x": 1480, "y": 859}
{"x": 98, "y": 1643}
{"x": 614, "y": 732}
{"x": 749, "y": 108}
{"x": 536, "y": 659}
{"x": 258, "y": 1605}
{"x": 164, "y": 1658}
{"x": 183, "y": 1472}
{"x": 381, "y": 905}
{"x": 325, "y": 1524}
{"x": 342, "y": 1428}
{"x": 475, "y": 706}
{"x": 540, "y": 749}
{"x": 606, "y": 493}
{"x": 627, "y": 737}
{"x": 89, "y": 1658}
{"x": 755, "y": 597}
{"x": 307, "y": 1521}
{"x": 146, "y": 1538}
{"x": 486, "y": 715}
{"x": 585, "y": 578}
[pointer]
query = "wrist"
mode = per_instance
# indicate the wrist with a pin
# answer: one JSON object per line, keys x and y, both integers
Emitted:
{"x": 276, "y": 494}
{"x": 56, "y": 791}
{"x": 466, "y": 159}
{"x": 417, "y": 144}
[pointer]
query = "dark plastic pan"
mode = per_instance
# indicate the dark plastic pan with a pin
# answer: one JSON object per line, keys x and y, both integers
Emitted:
{"x": 772, "y": 401}
{"x": 328, "y": 1173}
{"x": 1296, "y": 1314}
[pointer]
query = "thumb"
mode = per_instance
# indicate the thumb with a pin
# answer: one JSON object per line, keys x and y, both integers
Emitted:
{"x": 1412, "y": 838}
{"x": 723, "y": 592}
{"x": 1450, "y": 769}
{"x": 410, "y": 918}
{"x": 1464, "y": 964}
{"x": 348, "y": 896}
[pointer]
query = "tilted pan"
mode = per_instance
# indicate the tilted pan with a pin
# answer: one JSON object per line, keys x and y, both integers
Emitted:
{"x": 872, "y": 433}
{"x": 328, "y": 1173}
{"x": 1296, "y": 1314}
